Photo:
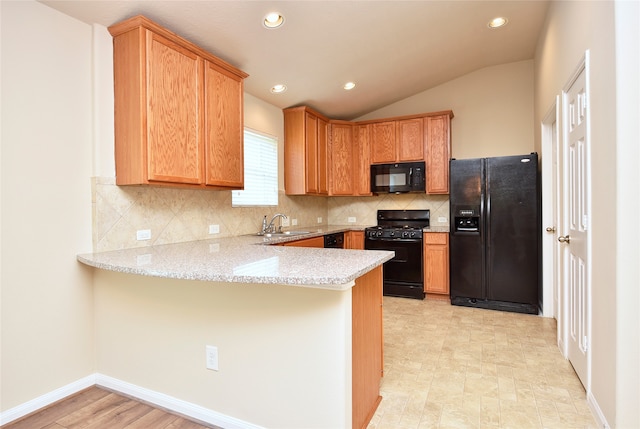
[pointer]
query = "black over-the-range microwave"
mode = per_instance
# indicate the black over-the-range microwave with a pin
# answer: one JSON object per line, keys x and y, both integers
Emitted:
{"x": 398, "y": 178}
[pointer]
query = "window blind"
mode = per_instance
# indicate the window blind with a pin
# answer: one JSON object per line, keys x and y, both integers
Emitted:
{"x": 260, "y": 171}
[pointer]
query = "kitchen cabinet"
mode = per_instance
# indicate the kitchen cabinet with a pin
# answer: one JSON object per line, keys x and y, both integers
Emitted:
{"x": 397, "y": 141}
{"x": 354, "y": 240}
{"x": 341, "y": 150}
{"x": 436, "y": 262}
{"x": 410, "y": 139}
{"x": 437, "y": 137}
{"x": 178, "y": 111}
{"x": 362, "y": 159}
{"x": 307, "y": 242}
{"x": 383, "y": 142}
{"x": 305, "y": 152}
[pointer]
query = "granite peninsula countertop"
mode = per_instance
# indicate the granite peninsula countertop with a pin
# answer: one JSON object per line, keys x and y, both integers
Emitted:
{"x": 245, "y": 259}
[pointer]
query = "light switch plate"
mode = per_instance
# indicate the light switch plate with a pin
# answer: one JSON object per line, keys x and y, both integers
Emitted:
{"x": 294, "y": 222}
{"x": 319, "y": 219}
{"x": 442, "y": 219}
{"x": 143, "y": 234}
{"x": 214, "y": 229}
{"x": 351, "y": 219}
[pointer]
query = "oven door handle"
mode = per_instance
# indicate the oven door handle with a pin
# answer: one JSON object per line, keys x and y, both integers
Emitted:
{"x": 397, "y": 240}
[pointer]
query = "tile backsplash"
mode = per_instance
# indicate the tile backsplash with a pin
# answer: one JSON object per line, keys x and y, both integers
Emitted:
{"x": 176, "y": 215}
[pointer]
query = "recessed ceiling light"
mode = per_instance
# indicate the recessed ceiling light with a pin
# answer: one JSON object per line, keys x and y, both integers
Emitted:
{"x": 273, "y": 20}
{"x": 277, "y": 89}
{"x": 349, "y": 85}
{"x": 497, "y": 22}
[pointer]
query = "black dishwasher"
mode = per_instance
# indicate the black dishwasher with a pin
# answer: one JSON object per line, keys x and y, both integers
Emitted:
{"x": 334, "y": 241}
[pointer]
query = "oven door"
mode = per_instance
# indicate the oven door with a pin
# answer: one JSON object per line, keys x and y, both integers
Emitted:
{"x": 402, "y": 275}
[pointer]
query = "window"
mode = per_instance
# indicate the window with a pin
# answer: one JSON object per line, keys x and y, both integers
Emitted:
{"x": 260, "y": 171}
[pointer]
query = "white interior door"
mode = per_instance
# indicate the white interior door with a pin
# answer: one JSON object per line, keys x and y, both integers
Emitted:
{"x": 576, "y": 218}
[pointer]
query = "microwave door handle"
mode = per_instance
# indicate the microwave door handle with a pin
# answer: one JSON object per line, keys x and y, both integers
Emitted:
{"x": 410, "y": 176}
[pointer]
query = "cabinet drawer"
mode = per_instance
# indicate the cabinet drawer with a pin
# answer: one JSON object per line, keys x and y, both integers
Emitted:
{"x": 436, "y": 237}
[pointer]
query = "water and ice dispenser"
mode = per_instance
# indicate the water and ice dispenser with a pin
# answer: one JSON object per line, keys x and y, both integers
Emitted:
{"x": 467, "y": 219}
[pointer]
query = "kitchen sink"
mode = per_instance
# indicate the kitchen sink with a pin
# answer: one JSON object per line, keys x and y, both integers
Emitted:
{"x": 284, "y": 233}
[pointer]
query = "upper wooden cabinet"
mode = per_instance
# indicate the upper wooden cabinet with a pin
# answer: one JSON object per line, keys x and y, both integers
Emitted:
{"x": 362, "y": 159}
{"x": 397, "y": 141}
{"x": 354, "y": 146}
{"x": 383, "y": 142}
{"x": 178, "y": 111}
{"x": 342, "y": 159}
{"x": 437, "y": 137}
{"x": 306, "y": 134}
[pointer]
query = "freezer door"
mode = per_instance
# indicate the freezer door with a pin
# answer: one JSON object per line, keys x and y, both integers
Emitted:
{"x": 466, "y": 255}
{"x": 512, "y": 226}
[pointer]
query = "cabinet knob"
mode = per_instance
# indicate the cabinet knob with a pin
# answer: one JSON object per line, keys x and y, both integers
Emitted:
{"x": 564, "y": 239}
{"x": 551, "y": 229}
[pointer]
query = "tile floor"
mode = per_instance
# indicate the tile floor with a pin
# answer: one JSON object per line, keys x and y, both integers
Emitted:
{"x": 456, "y": 367}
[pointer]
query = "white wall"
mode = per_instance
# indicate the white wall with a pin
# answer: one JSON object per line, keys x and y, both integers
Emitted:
{"x": 47, "y": 298}
{"x": 275, "y": 368}
{"x": 572, "y": 28}
{"x": 627, "y": 18}
{"x": 492, "y": 107}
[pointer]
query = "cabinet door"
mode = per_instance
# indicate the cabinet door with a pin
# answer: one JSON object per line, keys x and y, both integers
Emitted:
{"x": 438, "y": 146}
{"x": 174, "y": 152}
{"x": 383, "y": 142}
{"x": 311, "y": 142}
{"x": 410, "y": 139}
{"x": 436, "y": 263}
{"x": 322, "y": 147}
{"x": 342, "y": 159}
{"x": 362, "y": 160}
{"x": 354, "y": 240}
{"x": 223, "y": 128}
{"x": 307, "y": 242}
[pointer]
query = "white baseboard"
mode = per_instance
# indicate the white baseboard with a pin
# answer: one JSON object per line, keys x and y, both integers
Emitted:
{"x": 46, "y": 399}
{"x": 173, "y": 404}
{"x": 597, "y": 412}
{"x": 167, "y": 402}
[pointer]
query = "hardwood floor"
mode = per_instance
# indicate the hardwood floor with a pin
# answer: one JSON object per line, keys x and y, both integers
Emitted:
{"x": 97, "y": 408}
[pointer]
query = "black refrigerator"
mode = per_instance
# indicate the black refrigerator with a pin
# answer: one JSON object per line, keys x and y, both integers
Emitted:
{"x": 495, "y": 253}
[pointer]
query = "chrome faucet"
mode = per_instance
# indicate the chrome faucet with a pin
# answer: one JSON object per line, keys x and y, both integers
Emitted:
{"x": 270, "y": 228}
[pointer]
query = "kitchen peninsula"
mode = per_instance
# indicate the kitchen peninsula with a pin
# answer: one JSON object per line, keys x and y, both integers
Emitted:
{"x": 298, "y": 330}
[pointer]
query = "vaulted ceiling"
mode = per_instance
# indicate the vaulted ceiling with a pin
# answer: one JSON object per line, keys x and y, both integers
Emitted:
{"x": 390, "y": 49}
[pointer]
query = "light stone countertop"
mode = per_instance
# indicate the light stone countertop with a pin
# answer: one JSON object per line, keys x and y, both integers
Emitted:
{"x": 246, "y": 259}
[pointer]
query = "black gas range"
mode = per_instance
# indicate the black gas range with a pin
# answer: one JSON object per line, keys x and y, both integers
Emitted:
{"x": 400, "y": 231}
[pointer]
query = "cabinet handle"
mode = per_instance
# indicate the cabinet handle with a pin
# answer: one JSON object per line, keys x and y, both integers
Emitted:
{"x": 551, "y": 229}
{"x": 564, "y": 239}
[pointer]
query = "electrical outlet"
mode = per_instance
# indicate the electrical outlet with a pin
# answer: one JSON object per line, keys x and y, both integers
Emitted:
{"x": 319, "y": 219}
{"x": 294, "y": 222}
{"x": 143, "y": 234}
{"x": 442, "y": 219}
{"x": 351, "y": 219}
{"x": 214, "y": 229}
{"x": 212, "y": 358}
{"x": 285, "y": 222}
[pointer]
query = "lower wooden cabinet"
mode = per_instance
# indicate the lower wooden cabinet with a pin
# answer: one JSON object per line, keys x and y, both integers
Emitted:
{"x": 354, "y": 240}
{"x": 307, "y": 242}
{"x": 436, "y": 262}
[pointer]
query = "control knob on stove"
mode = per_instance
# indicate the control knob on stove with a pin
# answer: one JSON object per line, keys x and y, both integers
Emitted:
{"x": 392, "y": 233}
{"x": 379, "y": 233}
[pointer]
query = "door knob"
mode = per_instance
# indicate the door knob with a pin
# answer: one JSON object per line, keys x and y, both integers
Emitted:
{"x": 551, "y": 229}
{"x": 565, "y": 239}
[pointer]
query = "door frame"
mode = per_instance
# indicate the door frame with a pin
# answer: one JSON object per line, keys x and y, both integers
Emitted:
{"x": 550, "y": 170}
